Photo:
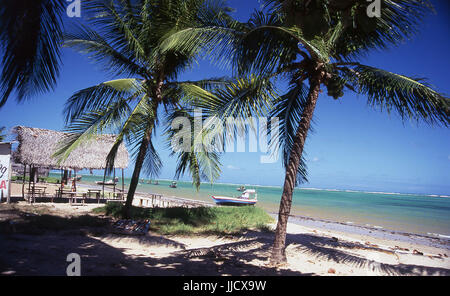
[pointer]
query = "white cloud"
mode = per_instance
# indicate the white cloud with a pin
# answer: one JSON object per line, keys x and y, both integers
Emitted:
{"x": 315, "y": 159}
{"x": 232, "y": 167}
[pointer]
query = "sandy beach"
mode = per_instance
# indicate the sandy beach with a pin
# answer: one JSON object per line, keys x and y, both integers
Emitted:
{"x": 313, "y": 248}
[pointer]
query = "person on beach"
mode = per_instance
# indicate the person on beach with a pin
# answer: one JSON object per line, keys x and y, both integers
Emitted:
{"x": 74, "y": 186}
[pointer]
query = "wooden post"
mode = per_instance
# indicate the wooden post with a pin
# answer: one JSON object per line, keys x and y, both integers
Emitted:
{"x": 123, "y": 184}
{"x": 74, "y": 180}
{"x": 114, "y": 181}
{"x": 65, "y": 177}
{"x": 61, "y": 183}
{"x": 23, "y": 181}
{"x": 33, "y": 174}
{"x": 104, "y": 180}
{"x": 29, "y": 186}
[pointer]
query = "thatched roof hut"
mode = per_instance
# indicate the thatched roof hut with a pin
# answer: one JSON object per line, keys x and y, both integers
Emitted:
{"x": 37, "y": 146}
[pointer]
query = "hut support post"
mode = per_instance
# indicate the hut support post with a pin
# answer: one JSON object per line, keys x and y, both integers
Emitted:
{"x": 65, "y": 177}
{"x": 23, "y": 181}
{"x": 30, "y": 198}
{"x": 114, "y": 181}
{"x": 103, "y": 186}
{"x": 123, "y": 186}
{"x": 74, "y": 180}
{"x": 61, "y": 183}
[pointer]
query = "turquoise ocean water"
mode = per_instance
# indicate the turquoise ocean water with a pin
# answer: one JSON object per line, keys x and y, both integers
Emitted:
{"x": 411, "y": 213}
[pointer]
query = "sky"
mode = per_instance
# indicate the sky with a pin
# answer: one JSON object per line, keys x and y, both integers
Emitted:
{"x": 353, "y": 146}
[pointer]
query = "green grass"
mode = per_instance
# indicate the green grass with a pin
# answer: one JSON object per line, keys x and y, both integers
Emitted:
{"x": 202, "y": 220}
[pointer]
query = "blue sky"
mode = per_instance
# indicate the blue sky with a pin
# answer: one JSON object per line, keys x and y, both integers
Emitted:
{"x": 353, "y": 146}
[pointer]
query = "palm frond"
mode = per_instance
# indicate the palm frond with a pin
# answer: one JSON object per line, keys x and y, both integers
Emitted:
{"x": 152, "y": 164}
{"x": 91, "y": 124}
{"x": 115, "y": 58}
{"x": 132, "y": 129}
{"x": 202, "y": 162}
{"x": 101, "y": 96}
{"x": 210, "y": 33}
{"x": 2, "y": 135}
{"x": 30, "y": 36}
{"x": 289, "y": 110}
{"x": 399, "y": 21}
{"x": 409, "y": 97}
{"x": 244, "y": 97}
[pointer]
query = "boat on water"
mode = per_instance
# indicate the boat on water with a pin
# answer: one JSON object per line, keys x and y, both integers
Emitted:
{"x": 242, "y": 188}
{"x": 248, "y": 197}
{"x": 173, "y": 185}
{"x": 110, "y": 182}
{"x": 156, "y": 182}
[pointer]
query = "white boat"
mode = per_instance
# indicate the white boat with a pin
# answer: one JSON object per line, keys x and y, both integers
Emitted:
{"x": 248, "y": 197}
{"x": 110, "y": 182}
{"x": 173, "y": 185}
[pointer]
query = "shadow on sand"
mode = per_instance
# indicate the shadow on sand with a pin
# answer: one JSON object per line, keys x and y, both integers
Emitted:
{"x": 26, "y": 251}
{"x": 39, "y": 245}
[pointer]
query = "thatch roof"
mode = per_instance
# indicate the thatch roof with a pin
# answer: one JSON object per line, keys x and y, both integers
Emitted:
{"x": 37, "y": 146}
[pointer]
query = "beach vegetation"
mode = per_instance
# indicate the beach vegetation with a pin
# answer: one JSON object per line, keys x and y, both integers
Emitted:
{"x": 199, "y": 220}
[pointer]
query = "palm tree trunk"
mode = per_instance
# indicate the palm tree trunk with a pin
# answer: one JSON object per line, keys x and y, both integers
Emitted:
{"x": 279, "y": 245}
{"x": 137, "y": 171}
{"x": 126, "y": 213}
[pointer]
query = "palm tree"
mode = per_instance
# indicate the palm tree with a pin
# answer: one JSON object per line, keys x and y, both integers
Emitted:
{"x": 30, "y": 37}
{"x": 126, "y": 41}
{"x": 2, "y": 135}
{"x": 313, "y": 45}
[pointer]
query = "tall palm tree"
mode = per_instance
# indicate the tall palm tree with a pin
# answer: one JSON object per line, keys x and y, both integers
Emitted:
{"x": 312, "y": 45}
{"x": 30, "y": 37}
{"x": 126, "y": 41}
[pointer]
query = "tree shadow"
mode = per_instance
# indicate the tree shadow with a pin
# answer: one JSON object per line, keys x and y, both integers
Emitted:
{"x": 46, "y": 254}
{"x": 39, "y": 245}
{"x": 334, "y": 250}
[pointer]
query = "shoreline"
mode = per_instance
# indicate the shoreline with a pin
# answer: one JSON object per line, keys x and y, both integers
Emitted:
{"x": 332, "y": 227}
{"x": 335, "y": 226}
{"x": 369, "y": 191}
{"x": 361, "y": 231}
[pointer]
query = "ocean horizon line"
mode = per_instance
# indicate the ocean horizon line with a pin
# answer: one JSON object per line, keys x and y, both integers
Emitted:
{"x": 297, "y": 188}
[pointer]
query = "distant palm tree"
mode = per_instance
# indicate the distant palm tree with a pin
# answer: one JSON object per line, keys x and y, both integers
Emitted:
{"x": 30, "y": 37}
{"x": 320, "y": 42}
{"x": 2, "y": 135}
{"x": 126, "y": 41}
